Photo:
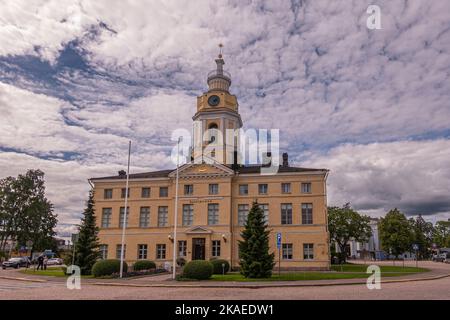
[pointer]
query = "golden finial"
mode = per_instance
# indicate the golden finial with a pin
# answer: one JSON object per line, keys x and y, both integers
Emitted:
{"x": 220, "y": 50}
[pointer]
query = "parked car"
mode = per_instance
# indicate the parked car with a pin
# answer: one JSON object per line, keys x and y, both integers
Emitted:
{"x": 447, "y": 258}
{"x": 439, "y": 257}
{"x": 54, "y": 261}
{"x": 16, "y": 263}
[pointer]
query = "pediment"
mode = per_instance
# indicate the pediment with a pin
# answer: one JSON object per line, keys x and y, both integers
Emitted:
{"x": 202, "y": 170}
{"x": 198, "y": 230}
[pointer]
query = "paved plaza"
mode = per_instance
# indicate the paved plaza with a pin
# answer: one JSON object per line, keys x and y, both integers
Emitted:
{"x": 55, "y": 289}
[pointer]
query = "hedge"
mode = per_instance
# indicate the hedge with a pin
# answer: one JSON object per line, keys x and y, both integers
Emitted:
{"x": 144, "y": 265}
{"x": 107, "y": 267}
{"x": 217, "y": 266}
{"x": 198, "y": 269}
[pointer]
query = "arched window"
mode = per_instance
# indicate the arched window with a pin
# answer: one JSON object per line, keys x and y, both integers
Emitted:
{"x": 212, "y": 132}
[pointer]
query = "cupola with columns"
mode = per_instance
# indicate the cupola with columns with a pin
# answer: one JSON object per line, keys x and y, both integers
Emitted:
{"x": 217, "y": 109}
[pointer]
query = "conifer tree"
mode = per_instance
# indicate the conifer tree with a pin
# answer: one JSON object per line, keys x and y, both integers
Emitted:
{"x": 87, "y": 246}
{"x": 255, "y": 259}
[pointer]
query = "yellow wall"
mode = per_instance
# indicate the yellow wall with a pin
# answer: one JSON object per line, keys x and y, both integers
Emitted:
{"x": 227, "y": 230}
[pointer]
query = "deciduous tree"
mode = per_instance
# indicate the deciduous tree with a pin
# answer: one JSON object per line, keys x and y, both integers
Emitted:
{"x": 345, "y": 224}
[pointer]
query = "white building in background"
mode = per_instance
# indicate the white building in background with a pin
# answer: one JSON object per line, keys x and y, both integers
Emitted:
{"x": 371, "y": 250}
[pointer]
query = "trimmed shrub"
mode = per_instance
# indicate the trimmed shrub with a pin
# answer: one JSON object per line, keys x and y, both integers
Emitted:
{"x": 198, "y": 269}
{"x": 107, "y": 267}
{"x": 217, "y": 266}
{"x": 144, "y": 265}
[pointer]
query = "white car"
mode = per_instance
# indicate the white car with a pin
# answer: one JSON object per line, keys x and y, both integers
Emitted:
{"x": 54, "y": 261}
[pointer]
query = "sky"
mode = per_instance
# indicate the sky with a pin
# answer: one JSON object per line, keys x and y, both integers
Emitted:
{"x": 78, "y": 79}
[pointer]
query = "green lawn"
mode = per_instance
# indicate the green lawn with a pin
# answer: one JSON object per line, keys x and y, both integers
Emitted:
{"x": 51, "y": 272}
{"x": 349, "y": 272}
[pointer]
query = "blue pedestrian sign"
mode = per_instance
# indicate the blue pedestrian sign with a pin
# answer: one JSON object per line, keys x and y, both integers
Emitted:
{"x": 415, "y": 247}
{"x": 278, "y": 240}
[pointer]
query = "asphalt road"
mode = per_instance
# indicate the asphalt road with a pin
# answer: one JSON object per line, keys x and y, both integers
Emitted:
{"x": 54, "y": 290}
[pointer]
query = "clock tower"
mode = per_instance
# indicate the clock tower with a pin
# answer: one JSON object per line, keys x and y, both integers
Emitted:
{"x": 217, "y": 114}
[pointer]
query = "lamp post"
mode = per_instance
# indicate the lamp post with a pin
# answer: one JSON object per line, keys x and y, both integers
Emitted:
{"x": 175, "y": 221}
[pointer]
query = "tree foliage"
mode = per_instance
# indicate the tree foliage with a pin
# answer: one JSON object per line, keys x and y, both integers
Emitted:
{"x": 87, "y": 247}
{"x": 422, "y": 233}
{"x": 345, "y": 224}
{"x": 25, "y": 213}
{"x": 396, "y": 234}
{"x": 441, "y": 234}
{"x": 255, "y": 259}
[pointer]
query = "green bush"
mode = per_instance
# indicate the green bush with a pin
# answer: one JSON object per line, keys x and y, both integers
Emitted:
{"x": 107, "y": 267}
{"x": 144, "y": 265}
{"x": 217, "y": 266}
{"x": 198, "y": 269}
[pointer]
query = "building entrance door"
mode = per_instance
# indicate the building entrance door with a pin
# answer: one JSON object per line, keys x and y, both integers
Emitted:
{"x": 198, "y": 249}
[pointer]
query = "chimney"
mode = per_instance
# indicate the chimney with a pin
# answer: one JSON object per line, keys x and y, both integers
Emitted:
{"x": 285, "y": 160}
{"x": 122, "y": 173}
{"x": 266, "y": 159}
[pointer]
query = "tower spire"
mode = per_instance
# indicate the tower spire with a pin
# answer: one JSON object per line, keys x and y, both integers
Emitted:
{"x": 219, "y": 79}
{"x": 220, "y": 50}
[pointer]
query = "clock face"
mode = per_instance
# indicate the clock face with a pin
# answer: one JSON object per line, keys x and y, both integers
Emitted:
{"x": 213, "y": 100}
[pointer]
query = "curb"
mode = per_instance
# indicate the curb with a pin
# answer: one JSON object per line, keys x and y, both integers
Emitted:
{"x": 23, "y": 279}
{"x": 258, "y": 286}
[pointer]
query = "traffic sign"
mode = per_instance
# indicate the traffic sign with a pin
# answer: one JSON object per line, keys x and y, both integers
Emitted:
{"x": 415, "y": 247}
{"x": 278, "y": 240}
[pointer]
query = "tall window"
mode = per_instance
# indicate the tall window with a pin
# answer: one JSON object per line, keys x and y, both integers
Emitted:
{"x": 306, "y": 187}
{"x": 144, "y": 217}
{"x": 287, "y": 251}
{"x": 104, "y": 251}
{"x": 163, "y": 192}
{"x": 107, "y": 194}
{"x": 122, "y": 216}
{"x": 123, "y": 191}
{"x": 242, "y": 214}
{"x": 285, "y": 188}
{"x": 286, "y": 213}
{"x": 265, "y": 208}
{"x": 160, "y": 251}
{"x": 182, "y": 247}
{"x": 263, "y": 188}
{"x": 188, "y": 189}
{"x": 145, "y": 192}
{"x": 216, "y": 248}
{"x": 118, "y": 249}
{"x": 142, "y": 251}
{"x": 307, "y": 213}
{"x": 308, "y": 251}
{"x": 213, "y": 188}
{"x": 243, "y": 189}
{"x": 162, "y": 216}
{"x": 106, "y": 217}
{"x": 213, "y": 213}
{"x": 188, "y": 214}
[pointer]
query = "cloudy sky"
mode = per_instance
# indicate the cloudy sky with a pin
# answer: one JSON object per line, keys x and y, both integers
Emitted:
{"x": 78, "y": 79}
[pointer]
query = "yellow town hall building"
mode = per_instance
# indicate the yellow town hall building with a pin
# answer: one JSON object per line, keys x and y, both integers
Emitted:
{"x": 214, "y": 200}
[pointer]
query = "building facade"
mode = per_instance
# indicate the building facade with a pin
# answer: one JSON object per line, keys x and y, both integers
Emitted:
{"x": 214, "y": 199}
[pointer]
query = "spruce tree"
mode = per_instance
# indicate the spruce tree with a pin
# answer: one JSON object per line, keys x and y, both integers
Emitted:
{"x": 87, "y": 246}
{"x": 255, "y": 259}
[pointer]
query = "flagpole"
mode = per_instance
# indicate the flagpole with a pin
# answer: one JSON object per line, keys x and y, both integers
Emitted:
{"x": 174, "y": 263}
{"x": 125, "y": 212}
